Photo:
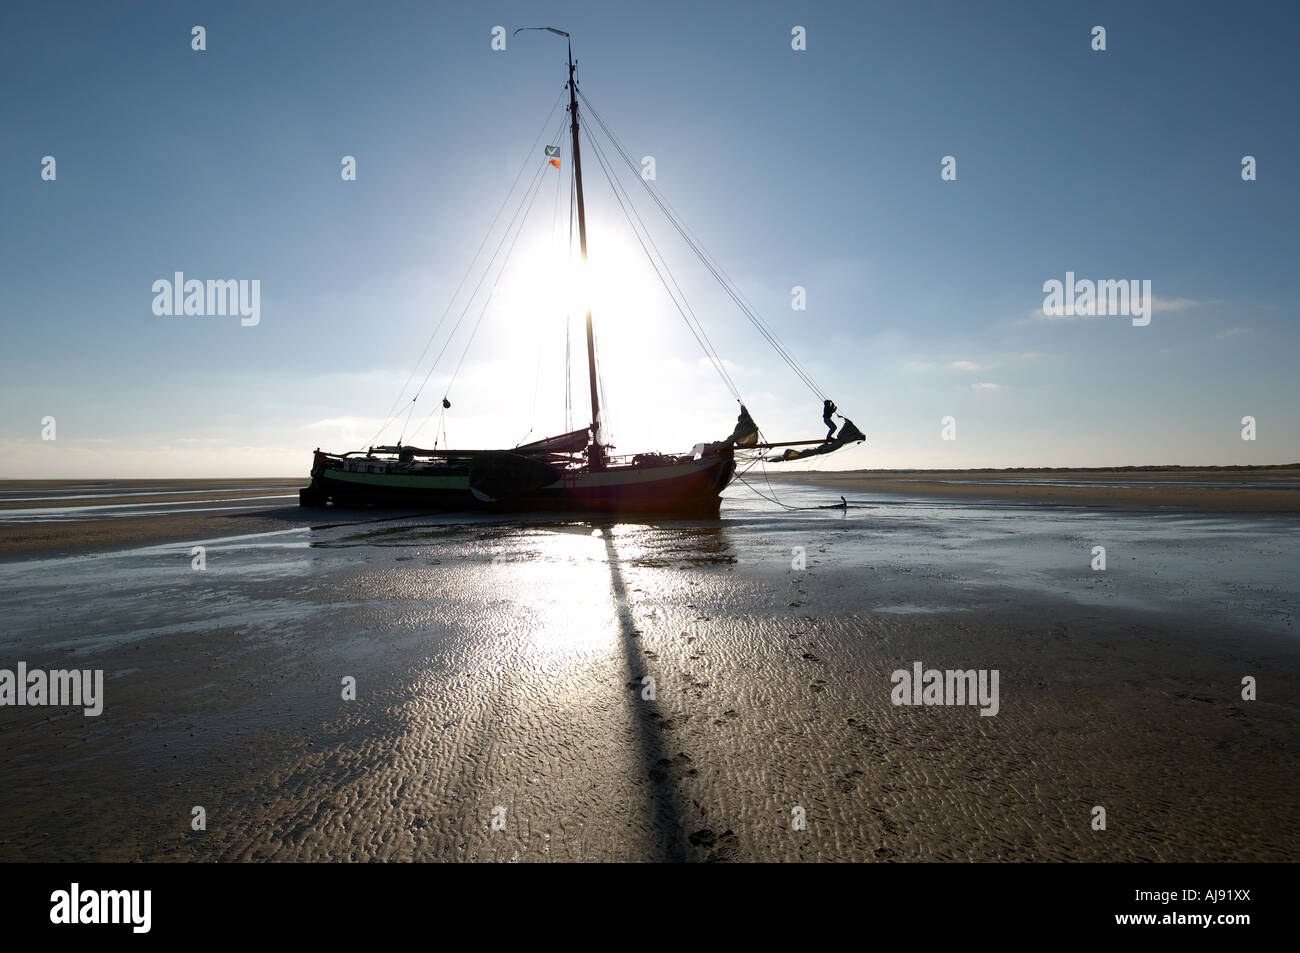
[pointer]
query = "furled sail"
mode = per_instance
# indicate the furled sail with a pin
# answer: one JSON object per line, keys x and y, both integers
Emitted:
{"x": 849, "y": 433}
{"x": 574, "y": 442}
{"x": 746, "y": 432}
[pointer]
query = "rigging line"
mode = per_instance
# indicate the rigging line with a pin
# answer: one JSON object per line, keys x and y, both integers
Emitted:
{"x": 415, "y": 397}
{"x": 772, "y": 498}
{"x": 698, "y": 246}
{"x": 705, "y": 344}
{"x": 537, "y": 371}
{"x": 756, "y": 461}
{"x": 769, "y": 498}
{"x": 500, "y": 271}
{"x": 469, "y": 268}
{"x": 709, "y": 262}
{"x": 606, "y": 437}
{"x": 451, "y": 336}
{"x": 470, "y": 300}
{"x": 607, "y": 414}
{"x": 532, "y": 415}
{"x": 568, "y": 314}
{"x": 723, "y": 280}
{"x": 746, "y": 306}
{"x": 437, "y": 428}
{"x": 763, "y": 464}
{"x": 710, "y": 351}
{"x": 487, "y": 301}
{"x": 568, "y": 404}
{"x": 555, "y": 214}
{"x": 532, "y": 186}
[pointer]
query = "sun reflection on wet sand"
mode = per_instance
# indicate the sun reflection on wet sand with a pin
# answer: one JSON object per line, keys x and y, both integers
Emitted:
{"x": 499, "y": 664}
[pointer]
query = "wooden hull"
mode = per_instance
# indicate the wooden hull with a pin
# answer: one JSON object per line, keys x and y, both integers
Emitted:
{"x": 691, "y": 489}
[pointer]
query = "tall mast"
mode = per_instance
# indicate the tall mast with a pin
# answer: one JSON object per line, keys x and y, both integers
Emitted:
{"x": 596, "y": 453}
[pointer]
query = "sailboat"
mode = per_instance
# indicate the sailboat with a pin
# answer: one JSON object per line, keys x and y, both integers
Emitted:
{"x": 573, "y": 472}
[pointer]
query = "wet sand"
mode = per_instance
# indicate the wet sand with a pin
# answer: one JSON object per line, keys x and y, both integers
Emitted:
{"x": 1229, "y": 491}
{"x": 500, "y": 665}
{"x": 103, "y": 514}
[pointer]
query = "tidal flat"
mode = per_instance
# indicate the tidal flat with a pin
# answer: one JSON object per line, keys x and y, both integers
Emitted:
{"x": 368, "y": 685}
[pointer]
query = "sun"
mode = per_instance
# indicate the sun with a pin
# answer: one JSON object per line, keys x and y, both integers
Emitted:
{"x": 644, "y": 357}
{"x": 628, "y": 303}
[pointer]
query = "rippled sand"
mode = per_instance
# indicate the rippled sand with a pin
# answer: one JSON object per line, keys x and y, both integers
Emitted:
{"x": 501, "y": 666}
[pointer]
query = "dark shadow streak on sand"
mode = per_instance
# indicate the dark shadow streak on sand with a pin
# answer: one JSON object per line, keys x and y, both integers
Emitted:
{"x": 663, "y": 793}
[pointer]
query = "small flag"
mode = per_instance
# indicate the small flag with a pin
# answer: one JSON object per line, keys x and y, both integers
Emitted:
{"x": 553, "y": 154}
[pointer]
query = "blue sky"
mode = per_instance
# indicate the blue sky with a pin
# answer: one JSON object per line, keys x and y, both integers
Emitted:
{"x": 817, "y": 168}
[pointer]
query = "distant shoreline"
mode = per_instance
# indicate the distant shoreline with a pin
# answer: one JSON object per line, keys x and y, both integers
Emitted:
{"x": 1009, "y": 485}
{"x": 162, "y": 483}
{"x": 1145, "y": 468}
{"x": 16, "y": 483}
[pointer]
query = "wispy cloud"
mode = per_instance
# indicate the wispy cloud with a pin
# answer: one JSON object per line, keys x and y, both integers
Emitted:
{"x": 986, "y": 387}
{"x": 959, "y": 366}
{"x": 970, "y": 367}
{"x": 1231, "y": 333}
{"x": 1158, "y": 305}
{"x": 1173, "y": 304}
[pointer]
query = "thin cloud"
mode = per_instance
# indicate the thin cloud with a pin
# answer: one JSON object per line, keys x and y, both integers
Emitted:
{"x": 1231, "y": 333}
{"x": 986, "y": 387}
{"x": 1158, "y": 305}
{"x": 969, "y": 367}
{"x": 960, "y": 366}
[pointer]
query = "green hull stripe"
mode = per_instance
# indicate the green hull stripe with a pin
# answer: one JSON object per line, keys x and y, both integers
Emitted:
{"x": 400, "y": 479}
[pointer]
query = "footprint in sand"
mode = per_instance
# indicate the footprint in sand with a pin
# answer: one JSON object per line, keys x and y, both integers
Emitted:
{"x": 665, "y": 768}
{"x": 704, "y": 837}
{"x": 726, "y": 843}
{"x": 847, "y": 782}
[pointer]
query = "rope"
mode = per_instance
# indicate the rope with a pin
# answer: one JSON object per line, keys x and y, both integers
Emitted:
{"x": 537, "y": 372}
{"x": 535, "y": 190}
{"x": 568, "y": 315}
{"x": 715, "y": 269}
{"x": 469, "y": 268}
{"x": 701, "y": 337}
{"x": 488, "y": 300}
{"x": 773, "y": 499}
